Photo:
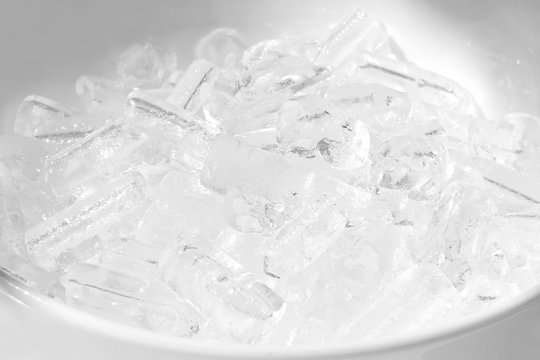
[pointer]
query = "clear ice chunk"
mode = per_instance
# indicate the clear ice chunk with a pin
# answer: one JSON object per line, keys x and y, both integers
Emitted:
{"x": 231, "y": 164}
{"x": 36, "y": 114}
{"x": 223, "y": 47}
{"x": 516, "y": 142}
{"x": 130, "y": 257}
{"x": 76, "y": 171}
{"x": 418, "y": 296}
{"x": 350, "y": 153}
{"x": 187, "y": 133}
{"x": 181, "y": 216}
{"x": 385, "y": 108}
{"x": 519, "y": 184}
{"x": 250, "y": 213}
{"x": 12, "y": 222}
{"x": 409, "y": 163}
{"x": 193, "y": 87}
{"x": 427, "y": 86}
{"x": 145, "y": 65}
{"x": 207, "y": 276}
{"x": 356, "y": 32}
{"x": 457, "y": 233}
{"x": 130, "y": 299}
{"x": 258, "y": 113}
{"x": 59, "y": 136}
{"x": 101, "y": 95}
{"x": 303, "y": 239}
{"x": 84, "y": 219}
{"x": 22, "y": 157}
{"x": 304, "y": 121}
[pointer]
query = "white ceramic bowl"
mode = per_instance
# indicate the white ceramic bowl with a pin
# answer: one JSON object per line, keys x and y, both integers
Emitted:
{"x": 491, "y": 47}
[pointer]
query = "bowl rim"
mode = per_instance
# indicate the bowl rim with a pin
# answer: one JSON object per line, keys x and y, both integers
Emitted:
{"x": 127, "y": 334}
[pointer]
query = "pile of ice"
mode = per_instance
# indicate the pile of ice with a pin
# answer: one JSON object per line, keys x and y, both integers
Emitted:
{"x": 300, "y": 190}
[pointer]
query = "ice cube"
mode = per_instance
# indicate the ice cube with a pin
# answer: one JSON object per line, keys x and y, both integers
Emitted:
{"x": 516, "y": 140}
{"x": 181, "y": 217}
{"x": 419, "y": 295}
{"x": 37, "y": 201}
{"x": 409, "y": 163}
{"x": 267, "y": 52}
{"x": 151, "y": 113}
{"x": 381, "y": 106}
{"x": 356, "y": 32}
{"x": 129, "y": 257}
{"x": 20, "y": 269}
{"x": 114, "y": 294}
{"x": 457, "y": 233}
{"x": 302, "y": 240}
{"x": 223, "y": 47}
{"x": 427, "y": 86}
{"x": 350, "y": 153}
{"x": 61, "y": 135}
{"x": 186, "y": 133}
{"x": 84, "y": 219}
{"x": 230, "y": 164}
{"x": 255, "y": 114}
{"x": 12, "y": 222}
{"x": 193, "y": 87}
{"x": 306, "y": 120}
{"x": 518, "y": 184}
{"x": 208, "y": 277}
{"x": 250, "y": 213}
{"x": 145, "y": 65}
{"x": 37, "y": 113}
{"x": 101, "y": 95}
{"x": 23, "y": 157}
{"x": 76, "y": 171}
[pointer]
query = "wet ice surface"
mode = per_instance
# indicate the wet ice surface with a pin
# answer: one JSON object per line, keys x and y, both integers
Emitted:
{"x": 305, "y": 190}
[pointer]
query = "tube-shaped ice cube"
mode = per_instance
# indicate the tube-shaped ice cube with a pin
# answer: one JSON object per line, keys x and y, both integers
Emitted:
{"x": 84, "y": 219}
{"x": 36, "y": 113}
{"x": 160, "y": 117}
{"x": 150, "y": 304}
{"x": 231, "y": 164}
{"x": 191, "y": 88}
{"x": 200, "y": 271}
{"x": 109, "y": 150}
{"x": 356, "y": 32}
{"x": 430, "y": 87}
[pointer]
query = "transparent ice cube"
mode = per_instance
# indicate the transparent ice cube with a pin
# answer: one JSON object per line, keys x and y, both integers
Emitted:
{"x": 145, "y": 65}
{"x": 250, "y": 213}
{"x": 457, "y": 233}
{"x": 223, "y": 47}
{"x": 427, "y": 86}
{"x": 303, "y": 239}
{"x": 101, "y": 95}
{"x": 22, "y": 157}
{"x": 420, "y": 295}
{"x": 357, "y": 31}
{"x": 304, "y": 121}
{"x": 76, "y": 171}
{"x": 409, "y": 163}
{"x": 516, "y": 140}
{"x": 130, "y": 299}
{"x": 36, "y": 114}
{"x": 231, "y": 164}
{"x": 12, "y": 222}
{"x": 213, "y": 280}
{"x": 84, "y": 219}
{"x": 194, "y": 86}
{"x": 181, "y": 217}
